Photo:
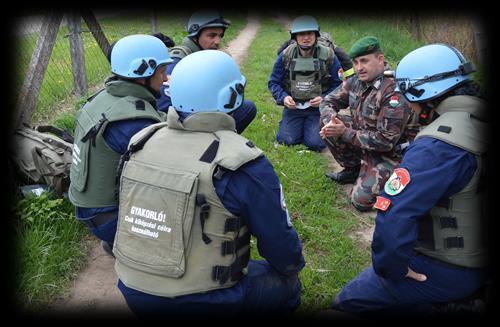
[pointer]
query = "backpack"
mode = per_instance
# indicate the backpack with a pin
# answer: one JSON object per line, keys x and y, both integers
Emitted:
{"x": 326, "y": 39}
{"x": 41, "y": 157}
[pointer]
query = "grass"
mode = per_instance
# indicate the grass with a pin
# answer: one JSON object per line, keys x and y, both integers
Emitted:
{"x": 48, "y": 249}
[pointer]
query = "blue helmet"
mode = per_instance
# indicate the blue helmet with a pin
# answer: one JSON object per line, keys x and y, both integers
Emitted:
{"x": 138, "y": 56}
{"x": 304, "y": 24}
{"x": 207, "y": 80}
{"x": 205, "y": 18}
{"x": 430, "y": 71}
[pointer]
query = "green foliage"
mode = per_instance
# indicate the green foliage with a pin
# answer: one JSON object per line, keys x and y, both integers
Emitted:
{"x": 347, "y": 29}
{"x": 66, "y": 121}
{"x": 48, "y": 248}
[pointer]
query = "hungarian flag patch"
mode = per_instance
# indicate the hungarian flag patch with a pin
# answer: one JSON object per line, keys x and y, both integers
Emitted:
{"x": 394, "y": 102}
{"x": 382, "y": 203}
{"x": 397, "y": 182}
{"x": 340, "y": 73}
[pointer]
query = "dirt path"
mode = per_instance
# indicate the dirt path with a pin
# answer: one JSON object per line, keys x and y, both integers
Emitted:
{"x": 94, "y": 291}
{"x": 238, "y": 47}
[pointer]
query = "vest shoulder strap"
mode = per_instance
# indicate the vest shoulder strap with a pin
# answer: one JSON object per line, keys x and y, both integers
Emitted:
{"x": 235, "y": 150}
{"x": 461, "y": 129}
{"x": 289, "y": 53}
{"x": 180, "y": 51}
{"x": 130, "y": 107}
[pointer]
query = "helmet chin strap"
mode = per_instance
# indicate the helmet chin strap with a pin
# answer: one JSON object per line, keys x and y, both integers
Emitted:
{"x": 147, "y": 84}
{"x": 305, "y": 47}
{"x": 426, "y": 114}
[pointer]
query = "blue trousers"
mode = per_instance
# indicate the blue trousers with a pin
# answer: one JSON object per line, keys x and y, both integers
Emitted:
{"x": 369, "y": 294}
{"x": 262, "y": 291}
{"x": 107, "y": 231}
{"x": 300, "y": 127}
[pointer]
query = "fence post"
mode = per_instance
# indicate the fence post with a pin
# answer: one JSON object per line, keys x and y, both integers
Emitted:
{"x": 77, "y": 54}
{"x": 479, "y": 40}
{"x": 96, "y": 30}
{"x": 30, "y": 90}
{"x": 415, "y": 26}
{"x": 154, "y": 22}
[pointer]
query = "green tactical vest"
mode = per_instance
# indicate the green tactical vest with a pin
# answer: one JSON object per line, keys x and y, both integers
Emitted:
{"x": 174, "y": 235}
{"x": 308, "y": 77}
{"x": 454, "y": 232}
{"x": 93, "y": 171}
{"x": 187, "y": 47}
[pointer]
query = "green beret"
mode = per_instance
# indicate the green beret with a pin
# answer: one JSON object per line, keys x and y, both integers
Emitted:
{"x": 364, "y": 46}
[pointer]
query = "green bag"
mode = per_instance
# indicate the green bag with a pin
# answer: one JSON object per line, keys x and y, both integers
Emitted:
{"x": 41, "y": 157}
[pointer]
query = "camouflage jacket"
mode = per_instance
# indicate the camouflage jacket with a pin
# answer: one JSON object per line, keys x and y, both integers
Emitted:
{"x": 381, "y": 118}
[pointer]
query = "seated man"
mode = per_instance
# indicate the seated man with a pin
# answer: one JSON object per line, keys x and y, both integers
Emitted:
{"x": 430, "y": 244}
{"x": 364, "y": 138}
{"x": 205, "y": 31}
{"x": 303, "y": 73}
{"x": 187, "y": 210}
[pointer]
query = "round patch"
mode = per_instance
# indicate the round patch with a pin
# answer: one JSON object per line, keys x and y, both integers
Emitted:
{"x": 397, "y": 182}
{"x": 394, "y": 102}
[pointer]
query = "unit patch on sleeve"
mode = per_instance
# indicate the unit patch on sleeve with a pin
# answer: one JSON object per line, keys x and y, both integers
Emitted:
{"x": 382, "y": 203}
{"x": 397, "y": 182}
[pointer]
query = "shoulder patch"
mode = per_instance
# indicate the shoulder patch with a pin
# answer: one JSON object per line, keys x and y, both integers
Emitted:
{"x": 397, "y": 182}
{"x": 382, "y": 203}
{"x": 340, "y": 73}
{"x": 394, "y": 102}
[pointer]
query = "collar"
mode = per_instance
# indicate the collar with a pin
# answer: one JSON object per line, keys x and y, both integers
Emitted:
{"x": 193, "y": 46}
{"x": 122, "y": 88}
{"x": 201, "y": 121}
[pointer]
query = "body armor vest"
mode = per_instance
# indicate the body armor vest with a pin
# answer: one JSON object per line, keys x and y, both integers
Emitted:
{"x": 174, "y": 236}
{"x": 187, "y": 47}
{"x": 454, "y": 231}
{"x": 93, "y": 170}
{"x": 307, "y": 77}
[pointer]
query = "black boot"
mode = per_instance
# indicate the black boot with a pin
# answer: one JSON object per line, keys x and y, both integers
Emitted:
{"x": 107, "y": 247}
{"x": 346, "y": 176}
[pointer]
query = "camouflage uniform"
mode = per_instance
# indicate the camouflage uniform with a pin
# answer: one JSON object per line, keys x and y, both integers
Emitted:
{"x": 375, "y": 131}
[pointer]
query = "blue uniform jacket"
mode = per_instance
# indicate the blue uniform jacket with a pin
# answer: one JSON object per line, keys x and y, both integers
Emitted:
{"x": 117, "y": 135}
{"x": 254, "y": 193}
{"x": 277, "y": 78}
{"x": 164, "y": 101}
{"x": 437, "y": 170}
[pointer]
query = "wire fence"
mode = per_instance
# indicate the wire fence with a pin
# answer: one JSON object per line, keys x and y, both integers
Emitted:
{"x": 58, "y": 87}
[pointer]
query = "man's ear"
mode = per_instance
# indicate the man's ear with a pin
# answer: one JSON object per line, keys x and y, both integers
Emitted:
{"x": 381, "y": 58}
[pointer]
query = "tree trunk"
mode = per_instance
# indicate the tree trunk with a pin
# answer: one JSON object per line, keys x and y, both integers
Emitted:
{"x": 479, "y": 40}
{"x": 415, "y": 27}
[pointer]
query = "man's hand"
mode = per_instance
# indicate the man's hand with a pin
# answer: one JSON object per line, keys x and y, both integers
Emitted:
{"x": 416, "y": 276}
{"x": 315, "y": 102}
{"x": 334, "y": 128}
{"x": 289, "y": 103}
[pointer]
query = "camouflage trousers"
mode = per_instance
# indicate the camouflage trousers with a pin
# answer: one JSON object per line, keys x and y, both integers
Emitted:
{"x": 375, "y": 168}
